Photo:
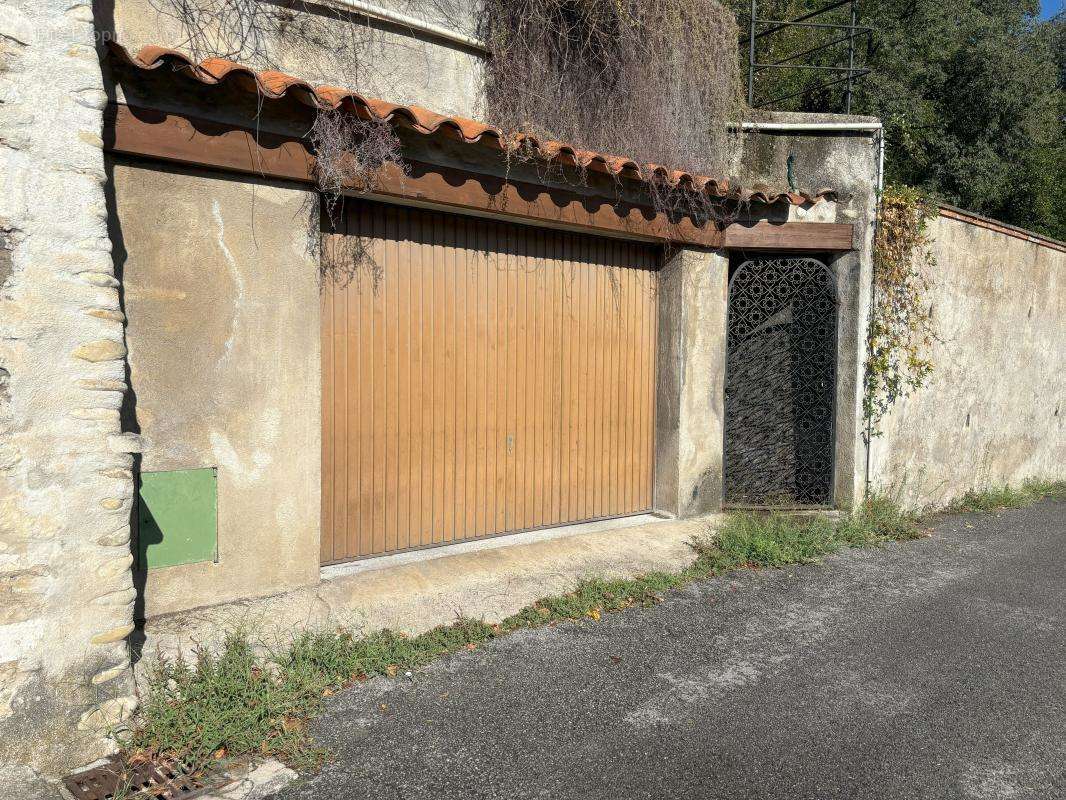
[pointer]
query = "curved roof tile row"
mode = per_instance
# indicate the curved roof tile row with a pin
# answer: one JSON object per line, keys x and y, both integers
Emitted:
{"x": 276, "y": 85}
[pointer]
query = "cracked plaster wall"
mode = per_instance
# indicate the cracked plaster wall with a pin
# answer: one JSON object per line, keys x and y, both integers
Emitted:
{"x": 994, "y": 408}
{"x": 221, "y": 285}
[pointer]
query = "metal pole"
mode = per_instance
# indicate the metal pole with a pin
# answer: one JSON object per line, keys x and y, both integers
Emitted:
{"x": 879, "y": 188}
{"x": 833, "y": 26}
{"x": 413, "y": 23}
{"x": 851, "y": 60}
{"x": 805, "y": 66}
{"x": 816, "y": 49}
{"x": 751, "y": 57}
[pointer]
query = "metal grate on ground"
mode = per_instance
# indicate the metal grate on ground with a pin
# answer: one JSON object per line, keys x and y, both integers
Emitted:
{"x": 138, "y": 781}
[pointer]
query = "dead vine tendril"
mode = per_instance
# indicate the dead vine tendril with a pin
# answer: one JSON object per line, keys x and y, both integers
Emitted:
{"x": 652, "y": 80}
{"x": 655, "y": 81}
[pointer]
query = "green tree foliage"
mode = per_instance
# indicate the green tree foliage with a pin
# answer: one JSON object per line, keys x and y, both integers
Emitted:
{"x": 971, "y": 93}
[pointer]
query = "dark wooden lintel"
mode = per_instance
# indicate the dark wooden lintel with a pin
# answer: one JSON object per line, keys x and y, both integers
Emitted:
{"x": 823, "y": 237}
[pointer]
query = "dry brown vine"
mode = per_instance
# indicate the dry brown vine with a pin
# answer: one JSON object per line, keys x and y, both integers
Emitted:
{"x": 652, "y": 80}
{"x": 350, "y": 153}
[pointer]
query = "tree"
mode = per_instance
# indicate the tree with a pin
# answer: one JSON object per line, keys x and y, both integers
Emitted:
{"x": 971, "y": 93}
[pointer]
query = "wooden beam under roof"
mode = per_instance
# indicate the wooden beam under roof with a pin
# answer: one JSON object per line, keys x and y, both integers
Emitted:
{"x": 177, "y": 138}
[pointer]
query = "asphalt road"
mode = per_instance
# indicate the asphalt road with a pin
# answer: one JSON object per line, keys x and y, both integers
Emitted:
{"x": 931, "y": 669}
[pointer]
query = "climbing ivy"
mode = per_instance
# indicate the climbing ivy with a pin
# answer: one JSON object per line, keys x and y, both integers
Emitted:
{"x": 901, "y": 327}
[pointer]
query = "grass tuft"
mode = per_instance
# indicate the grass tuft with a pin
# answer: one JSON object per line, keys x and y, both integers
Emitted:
{"x": 1032, "y": 491}
{"x": 880, "y": 518}
{"x": 777, "y": 539}
{"x": 245, "y": 699}
{"x": 766, "y": 540}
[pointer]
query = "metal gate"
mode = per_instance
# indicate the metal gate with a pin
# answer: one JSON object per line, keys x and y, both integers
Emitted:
{"x": 780, "y": 383}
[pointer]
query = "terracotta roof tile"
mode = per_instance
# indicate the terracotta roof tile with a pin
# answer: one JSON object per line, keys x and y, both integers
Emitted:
{"x": 276, "y": 85}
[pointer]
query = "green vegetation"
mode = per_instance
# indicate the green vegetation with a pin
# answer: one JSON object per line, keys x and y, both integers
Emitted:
{"x": 972, "y": 94}
{"x": 1008, "y": 496}
{"x": 253, "y": 699}
{"x": 752, "y": 540}
{"x": 248, "y": 698}
{"x": 901, "y": 328}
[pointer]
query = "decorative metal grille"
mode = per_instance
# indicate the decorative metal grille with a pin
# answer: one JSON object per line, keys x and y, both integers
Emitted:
{"x": 780, "y": 383}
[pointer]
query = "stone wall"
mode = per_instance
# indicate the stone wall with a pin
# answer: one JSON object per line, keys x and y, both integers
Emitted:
{"x": 994, "y": 409}
{"x": 66, "y": 595}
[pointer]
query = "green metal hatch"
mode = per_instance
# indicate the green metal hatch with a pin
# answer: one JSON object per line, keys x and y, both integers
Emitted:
{"x": 177, "y": 518}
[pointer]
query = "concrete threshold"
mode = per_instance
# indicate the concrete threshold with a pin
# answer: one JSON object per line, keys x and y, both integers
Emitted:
{"x": 488, "y": 579}
{"x": 504, "y": 540}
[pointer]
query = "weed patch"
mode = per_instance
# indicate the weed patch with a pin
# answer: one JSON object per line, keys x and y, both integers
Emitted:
{"x": 774, "y": 540}
{"x": 751, "y": 539}
{"x": 1030, "y": 492}
{"x": 248, "y": 699}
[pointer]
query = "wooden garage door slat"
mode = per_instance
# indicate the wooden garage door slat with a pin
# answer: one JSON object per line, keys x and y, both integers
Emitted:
{"x": 478, "y": 378}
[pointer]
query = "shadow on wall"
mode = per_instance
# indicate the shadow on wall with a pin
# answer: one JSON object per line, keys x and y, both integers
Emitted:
{"x": 104, "y": 21}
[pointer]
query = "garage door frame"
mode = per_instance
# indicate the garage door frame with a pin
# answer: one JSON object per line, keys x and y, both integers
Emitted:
{"x": 333, "y": 550}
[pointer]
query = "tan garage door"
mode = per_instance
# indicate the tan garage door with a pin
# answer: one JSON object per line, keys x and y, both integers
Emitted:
{"x": 480, "y": 378}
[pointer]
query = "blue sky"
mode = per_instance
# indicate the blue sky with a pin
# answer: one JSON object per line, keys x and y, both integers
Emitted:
{"x": 1049, "y": 7}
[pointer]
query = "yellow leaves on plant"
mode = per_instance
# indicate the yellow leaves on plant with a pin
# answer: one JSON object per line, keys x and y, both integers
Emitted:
{"x": 595, "y": 613}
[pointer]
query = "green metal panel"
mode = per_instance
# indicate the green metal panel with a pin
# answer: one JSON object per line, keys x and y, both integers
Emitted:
{"x": 177, "y": 519}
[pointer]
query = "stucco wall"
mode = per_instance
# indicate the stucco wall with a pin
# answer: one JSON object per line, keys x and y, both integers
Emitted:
{"x": 222, "y": 306}
{"x": 323, "y": 45}
{"x": 994, "y": 408}
{"x": 66, "y": 595}
{"x": 690, "y": 383}
{"x": 847, "y": 163}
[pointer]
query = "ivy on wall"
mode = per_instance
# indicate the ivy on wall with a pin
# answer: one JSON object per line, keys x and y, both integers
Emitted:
{"x": 901, "y": 327}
